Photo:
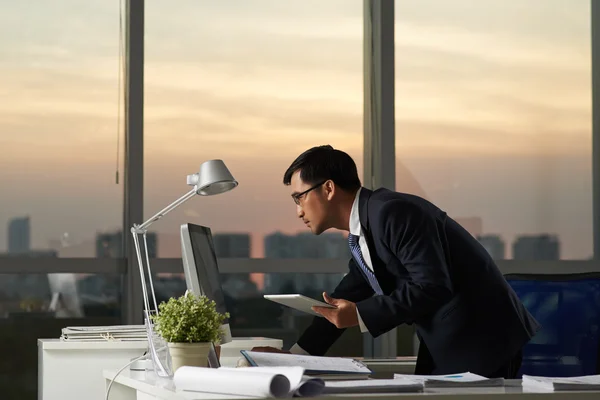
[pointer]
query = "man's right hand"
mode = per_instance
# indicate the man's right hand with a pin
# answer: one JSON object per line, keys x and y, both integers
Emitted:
{"x": 269, "y": 349}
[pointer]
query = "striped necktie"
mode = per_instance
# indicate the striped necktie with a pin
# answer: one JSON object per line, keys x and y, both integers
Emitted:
{"x": 358, "y": 257}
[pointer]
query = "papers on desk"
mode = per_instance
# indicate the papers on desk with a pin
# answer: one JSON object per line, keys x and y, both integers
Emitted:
{"x": 465, "y": 379}
{"x": 252, "y": 382}
{"x": 373, "y": 386}
{"x": 279, "y": 382}
{"x": 324, "y": 367}
{"x": 104, "y": 333}
{"x": 588, "y": 382}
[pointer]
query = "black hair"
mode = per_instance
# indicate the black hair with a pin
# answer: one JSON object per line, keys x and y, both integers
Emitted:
{"x": 321, "y": 163}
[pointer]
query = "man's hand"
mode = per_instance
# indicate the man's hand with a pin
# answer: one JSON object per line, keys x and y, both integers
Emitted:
{"x": 343, "y": 316}
{"x": 269, "y": 349}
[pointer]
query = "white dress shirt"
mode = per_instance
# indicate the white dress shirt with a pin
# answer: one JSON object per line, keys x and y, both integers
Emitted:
{"x": 355, "y": 229}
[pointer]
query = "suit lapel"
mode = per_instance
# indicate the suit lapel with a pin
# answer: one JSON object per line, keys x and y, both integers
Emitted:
{"x": 363, "y": 216}
{"x": 363, "y": 209}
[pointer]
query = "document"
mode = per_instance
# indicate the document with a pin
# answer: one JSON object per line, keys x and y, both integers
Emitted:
{"x": 248, "y": 382}
{"x": 465, "y": 379}
{"x": 587, "y": 382}
{"x": 104, "y": 333}
{"x": 373, "y": 386}
{"x": 322, "y": 366}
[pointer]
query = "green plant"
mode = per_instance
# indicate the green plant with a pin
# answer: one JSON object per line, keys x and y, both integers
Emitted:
{"x": 189, "y": 319}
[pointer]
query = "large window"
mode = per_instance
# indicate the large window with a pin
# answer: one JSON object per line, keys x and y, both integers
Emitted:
{"x": 493, "y": 120}
{"x": 58, "y": 121}
{"x": 255, "y": 84}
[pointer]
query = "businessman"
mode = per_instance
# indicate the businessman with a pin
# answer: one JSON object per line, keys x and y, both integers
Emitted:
{"x": 411, "y": 264}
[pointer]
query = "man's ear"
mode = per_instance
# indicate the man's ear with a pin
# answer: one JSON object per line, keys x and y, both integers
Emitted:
{"x": 329, "y": 189}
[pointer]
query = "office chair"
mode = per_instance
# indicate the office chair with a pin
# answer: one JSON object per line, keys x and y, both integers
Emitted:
{"x": 568, "y": 308}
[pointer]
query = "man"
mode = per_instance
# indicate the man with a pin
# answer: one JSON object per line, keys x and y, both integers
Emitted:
{"x": 411, "y": 264}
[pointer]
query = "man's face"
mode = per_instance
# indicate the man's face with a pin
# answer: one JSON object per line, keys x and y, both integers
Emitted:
{"x": 311, "y": 206}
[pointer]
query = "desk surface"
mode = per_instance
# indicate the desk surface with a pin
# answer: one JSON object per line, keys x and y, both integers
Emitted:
{"x": 164, "y": 389}
{"x": 57, "y": 344}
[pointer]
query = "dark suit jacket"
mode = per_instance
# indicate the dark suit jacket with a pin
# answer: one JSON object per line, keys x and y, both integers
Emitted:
{"x": 434, "y": 275}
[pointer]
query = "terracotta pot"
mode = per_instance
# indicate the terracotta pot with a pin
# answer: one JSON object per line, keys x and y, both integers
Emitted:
{"x": 189, "y": 354}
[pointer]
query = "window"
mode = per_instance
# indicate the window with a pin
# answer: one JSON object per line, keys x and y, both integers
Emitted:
{"x": 255, "y": 84}
{"x": 493, "y": 120}
{"x": 58, "y": 117}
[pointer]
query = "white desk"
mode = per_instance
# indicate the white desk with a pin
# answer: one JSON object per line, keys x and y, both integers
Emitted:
{"x": 72, "y": 370}
{"x": 68, "y": 370}
{"x": 135, "y": 386}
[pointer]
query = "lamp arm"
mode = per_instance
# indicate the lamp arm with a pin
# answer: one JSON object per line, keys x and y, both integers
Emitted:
{"x": 143, "y": 227}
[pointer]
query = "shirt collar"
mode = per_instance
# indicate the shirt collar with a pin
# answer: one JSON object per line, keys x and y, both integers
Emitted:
{"x": 354, "y": 217}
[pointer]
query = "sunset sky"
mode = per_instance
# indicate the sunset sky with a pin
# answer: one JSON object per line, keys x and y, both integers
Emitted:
{"x": 493, "y": 110}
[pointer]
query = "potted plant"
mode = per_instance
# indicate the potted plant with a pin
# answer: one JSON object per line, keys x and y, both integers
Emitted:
{"x": 189, "y": 324}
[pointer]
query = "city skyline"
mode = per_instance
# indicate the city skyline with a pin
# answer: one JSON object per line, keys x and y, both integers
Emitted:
{"x": 330, "y": 244}
{"x": 493, "y": 111}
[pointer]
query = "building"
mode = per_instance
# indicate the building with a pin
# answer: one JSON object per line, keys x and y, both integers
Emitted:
{"x": 238, "y": 285}
{"x": 536, "y": 247}
{"x": 232, "y": 245}
{"x": 19, "y": 235}
{"x": 305, "y": 246}
{"x": 110, "y": 245}
{"x": 494, "y": 245}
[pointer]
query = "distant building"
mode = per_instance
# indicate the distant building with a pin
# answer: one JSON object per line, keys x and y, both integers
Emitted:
{"x": 494, "y": 245}
{"x": 110, "y": 245}
{"x": 536, "y": 247}
{"x": 304, "y": 245}
{"x": 232, "y": 245}
{"x": 235, "y": 245}
{"x": 19, "y": 235}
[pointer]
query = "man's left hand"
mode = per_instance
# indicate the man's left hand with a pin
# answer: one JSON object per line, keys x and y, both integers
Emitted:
{"x": 343, "y": 316}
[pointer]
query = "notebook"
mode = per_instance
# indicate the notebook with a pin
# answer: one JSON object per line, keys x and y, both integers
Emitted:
{"x": 325, "y": 367}
{"x": 587, "y": 382}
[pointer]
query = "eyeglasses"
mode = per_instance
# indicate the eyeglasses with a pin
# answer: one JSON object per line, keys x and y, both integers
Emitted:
{"x": 297, "y": 196}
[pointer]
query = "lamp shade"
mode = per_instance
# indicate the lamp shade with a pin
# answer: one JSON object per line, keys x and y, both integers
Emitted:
{"x": 213, "y": 178}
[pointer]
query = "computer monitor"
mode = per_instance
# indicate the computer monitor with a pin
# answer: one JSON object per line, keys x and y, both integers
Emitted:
{"x": 201, "y": 269}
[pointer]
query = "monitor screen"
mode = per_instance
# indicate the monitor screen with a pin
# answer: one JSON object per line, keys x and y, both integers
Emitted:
{"x": 201, "y": 268}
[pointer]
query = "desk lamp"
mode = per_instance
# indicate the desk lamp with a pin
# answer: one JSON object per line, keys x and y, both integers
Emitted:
{"x": 213, "y": 178}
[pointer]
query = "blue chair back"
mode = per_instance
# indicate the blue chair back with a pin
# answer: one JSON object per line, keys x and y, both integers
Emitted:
{"x": 568, "y": 308}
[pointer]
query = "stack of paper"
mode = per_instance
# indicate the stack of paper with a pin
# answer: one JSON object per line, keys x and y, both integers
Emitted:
{"x": 248, "y": 382}
{"x": 323, "y": 367}
{"x": 373, "y": 386}
{"x": 465, "y": 379}
{"x": 104, "y": 333}
{"x": 588, "y": 382}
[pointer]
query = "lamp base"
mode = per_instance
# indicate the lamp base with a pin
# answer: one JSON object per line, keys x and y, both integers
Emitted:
{"x": 158, "y": 351}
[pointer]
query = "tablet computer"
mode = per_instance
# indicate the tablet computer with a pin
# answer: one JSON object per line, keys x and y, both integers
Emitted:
{"x": 298, "y": 301}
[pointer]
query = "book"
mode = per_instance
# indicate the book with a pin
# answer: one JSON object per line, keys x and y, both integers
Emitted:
{"x": 586, "y": 382}
{"x": 465, "y": 379}
{"x": 325, "y": 367}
